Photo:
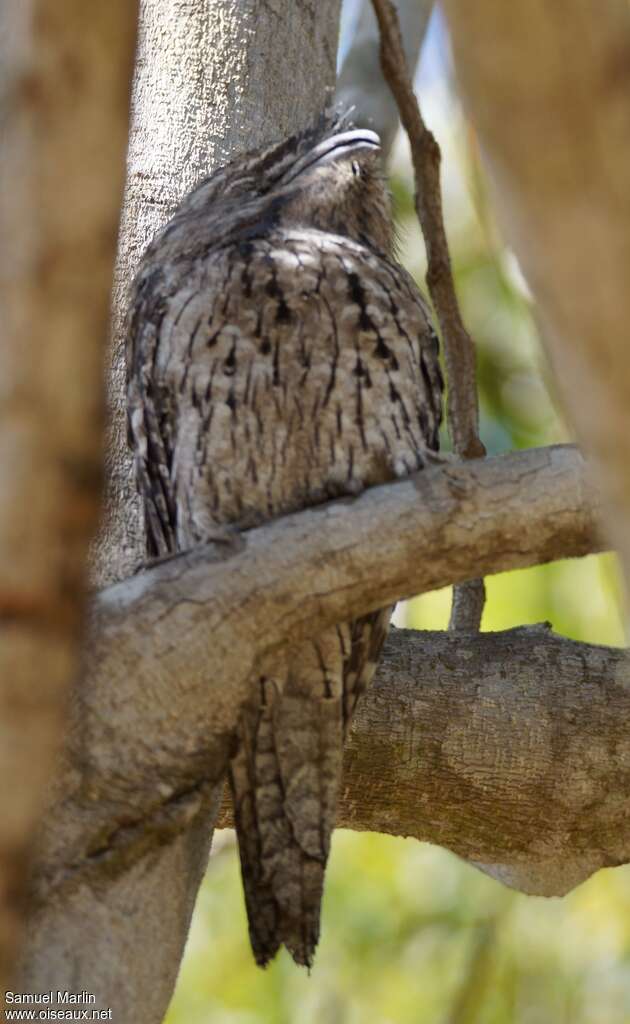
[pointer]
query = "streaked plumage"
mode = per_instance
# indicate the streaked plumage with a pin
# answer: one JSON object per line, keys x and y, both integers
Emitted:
{"x": 278, "y": 357}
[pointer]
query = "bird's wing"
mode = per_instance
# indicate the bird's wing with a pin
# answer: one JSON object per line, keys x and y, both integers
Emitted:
{"x": 150, "y": 411}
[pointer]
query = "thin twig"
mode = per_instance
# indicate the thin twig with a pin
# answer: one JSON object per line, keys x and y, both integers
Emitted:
{"x": 459, "y": 351}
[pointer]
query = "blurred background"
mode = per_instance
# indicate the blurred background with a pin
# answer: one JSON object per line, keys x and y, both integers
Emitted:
{"x": 411, "y": 934}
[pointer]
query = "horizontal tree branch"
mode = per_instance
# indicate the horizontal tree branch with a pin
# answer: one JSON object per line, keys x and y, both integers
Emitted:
{"x": 219, "y": 608}
{"x": 168, "y": 666}
{"x": 171, "y": 651}
{"x": 511, "y": 749}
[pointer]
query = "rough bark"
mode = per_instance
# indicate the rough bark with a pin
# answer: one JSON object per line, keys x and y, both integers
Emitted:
{"x": 212, "y": 77}
{"x": 557, "y": 147}
{"x": 61, "y": 181}
{"x": 510, "y": 749}
{"x": 167, "y": 670}
{"x": 206, "y": 617}
{"x": 360, "y": 84}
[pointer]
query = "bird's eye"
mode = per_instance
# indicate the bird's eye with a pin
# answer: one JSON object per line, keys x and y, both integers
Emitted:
{"x": 356, "y": 170}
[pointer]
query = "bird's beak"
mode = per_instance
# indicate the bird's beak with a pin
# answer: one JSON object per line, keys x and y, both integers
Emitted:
{"x": 333, "y": 148}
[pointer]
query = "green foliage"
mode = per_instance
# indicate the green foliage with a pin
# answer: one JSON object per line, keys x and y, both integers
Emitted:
{"x": 414, "y": 936}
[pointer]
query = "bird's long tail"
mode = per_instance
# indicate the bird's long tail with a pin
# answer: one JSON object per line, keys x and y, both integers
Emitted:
{"x": 285, "y": 777}
{"x": 285, "y": 780}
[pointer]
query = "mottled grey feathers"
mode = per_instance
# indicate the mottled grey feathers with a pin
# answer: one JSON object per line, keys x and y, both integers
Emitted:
{"x": 278, "y": 357}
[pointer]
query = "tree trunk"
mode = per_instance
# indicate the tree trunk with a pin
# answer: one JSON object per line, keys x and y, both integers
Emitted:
{"x": 212, "y": 78}
{"x": 546, "y": 83}
{"x": 61, "y": 178}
